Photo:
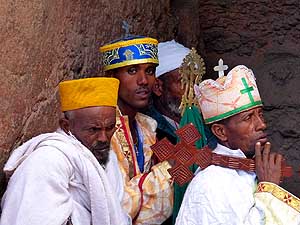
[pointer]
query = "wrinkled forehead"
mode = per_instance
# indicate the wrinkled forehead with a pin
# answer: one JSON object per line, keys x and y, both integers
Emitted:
{"x": 235, "y": 118}
{"x": 95, "y": 114}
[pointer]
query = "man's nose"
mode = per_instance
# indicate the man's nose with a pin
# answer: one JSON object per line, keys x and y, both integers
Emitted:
{"x": 261, "y": 124}
{"x": 142, "y": 78}
{"x": 102, "y": 137}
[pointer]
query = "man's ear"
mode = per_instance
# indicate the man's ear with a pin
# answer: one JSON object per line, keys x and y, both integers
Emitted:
{"x": 64, "y": 125}
{"x": 219, "y": 130}
{"x": 157, "y": 88}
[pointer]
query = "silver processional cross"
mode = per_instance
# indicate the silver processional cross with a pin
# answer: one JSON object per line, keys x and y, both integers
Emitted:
{"x": 126, "y": 27}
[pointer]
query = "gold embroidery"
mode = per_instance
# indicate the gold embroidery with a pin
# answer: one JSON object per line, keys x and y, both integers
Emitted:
{"x": 148, "y": 50}
{"x": 158, "y": 193}
{"x": 108, "y": 57}
{"x": 128, "y": 54}
{"x": 280, "y": 194}
{"x": 125, "y": 146}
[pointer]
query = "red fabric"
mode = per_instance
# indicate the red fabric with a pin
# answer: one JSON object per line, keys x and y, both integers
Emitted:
{"x": 141, "y": 191}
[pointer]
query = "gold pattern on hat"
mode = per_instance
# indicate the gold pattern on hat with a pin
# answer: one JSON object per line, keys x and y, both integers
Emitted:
{"x": 128, "y": 54}
{"x": 191, "y": 71}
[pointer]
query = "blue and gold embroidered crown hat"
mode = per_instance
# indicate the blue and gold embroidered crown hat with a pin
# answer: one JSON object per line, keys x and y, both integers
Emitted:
{"x": 129, "y": 51}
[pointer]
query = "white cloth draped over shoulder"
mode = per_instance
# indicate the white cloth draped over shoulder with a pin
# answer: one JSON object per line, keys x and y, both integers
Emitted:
{"x": 54, "y": 177}
{"x": 115, "y": 176}
{"x": 220, "y": 195}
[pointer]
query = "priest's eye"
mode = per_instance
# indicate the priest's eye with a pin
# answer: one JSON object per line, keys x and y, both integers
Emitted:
{"x": 93, "y": 129}
{"x": 132, "y": 70}
{"x": 261, "y": 116}
{"x": 246, "y": 118}
{"x": 150, "y": 71}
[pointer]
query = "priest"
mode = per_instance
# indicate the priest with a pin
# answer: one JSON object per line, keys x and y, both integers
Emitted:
{"x": 232, "y": 107}
{"x": 59, "y": 178}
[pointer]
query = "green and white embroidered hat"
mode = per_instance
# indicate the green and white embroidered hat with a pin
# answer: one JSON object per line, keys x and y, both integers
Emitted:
{"x": 228, "y": 95}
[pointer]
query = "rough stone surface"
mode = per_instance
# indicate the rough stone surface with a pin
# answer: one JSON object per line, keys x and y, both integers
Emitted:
{"x": 46, "y": 41}
{"x": 43, "y": 42}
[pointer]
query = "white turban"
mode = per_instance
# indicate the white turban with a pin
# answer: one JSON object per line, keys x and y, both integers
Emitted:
{"x": 170, "y": 56}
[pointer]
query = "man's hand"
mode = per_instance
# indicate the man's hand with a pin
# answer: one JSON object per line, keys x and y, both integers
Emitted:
{"x": 267, "y": 165}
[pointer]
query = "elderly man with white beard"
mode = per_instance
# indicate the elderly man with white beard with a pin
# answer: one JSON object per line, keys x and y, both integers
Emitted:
{"x": 167, "y": 90}
{"x": 59, "y": 178}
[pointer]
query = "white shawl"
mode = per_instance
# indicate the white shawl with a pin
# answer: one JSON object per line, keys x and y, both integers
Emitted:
{"x": 72, "y": 159}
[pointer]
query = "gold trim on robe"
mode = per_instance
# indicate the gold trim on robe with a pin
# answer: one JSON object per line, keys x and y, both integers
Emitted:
{"x": 280, "y": 206}
{"x": 148, "y": 196}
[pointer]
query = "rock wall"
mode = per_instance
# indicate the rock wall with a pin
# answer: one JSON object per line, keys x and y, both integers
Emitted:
{"x": 43, "y": 42}
{"x": 46, "y": 41}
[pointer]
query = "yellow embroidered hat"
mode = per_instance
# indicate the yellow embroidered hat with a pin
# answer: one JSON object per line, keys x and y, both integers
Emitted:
{"x": 88, "y": 92}
{"x": 131, "y": 50}
{"x": 228, "y": 95}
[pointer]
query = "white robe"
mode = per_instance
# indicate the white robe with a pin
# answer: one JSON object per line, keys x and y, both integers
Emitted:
{"x": 115, "y": 176}
{"x": 56, "y": 177}
{"x": 220, "y": 195}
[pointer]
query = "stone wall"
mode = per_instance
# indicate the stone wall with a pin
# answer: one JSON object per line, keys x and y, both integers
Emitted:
{"x": 46, "y": 41}
{"x": 43, "y": 42}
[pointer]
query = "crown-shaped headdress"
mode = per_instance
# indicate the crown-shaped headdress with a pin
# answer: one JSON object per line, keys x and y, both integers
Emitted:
{"x": 130, "y": 50}
{"x": 228, "y": 95}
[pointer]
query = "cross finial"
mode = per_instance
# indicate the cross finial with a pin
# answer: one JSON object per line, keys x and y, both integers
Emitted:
{"x": 221, "y": 68}
{"x": 126, "y": 27}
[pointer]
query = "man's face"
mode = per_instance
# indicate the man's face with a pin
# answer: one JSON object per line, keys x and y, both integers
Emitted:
{"x": 136, "y": 83}
{"x": 245, "y": 129}
{"x": 94, "y": 127}
{"x": 171, "y": 91}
